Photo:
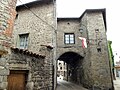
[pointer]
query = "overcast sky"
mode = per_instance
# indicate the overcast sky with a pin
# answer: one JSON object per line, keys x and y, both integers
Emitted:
{"x": 74, "y": 8}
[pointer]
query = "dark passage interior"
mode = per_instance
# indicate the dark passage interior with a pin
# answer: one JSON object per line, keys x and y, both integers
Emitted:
{"x": 70, "y": 67}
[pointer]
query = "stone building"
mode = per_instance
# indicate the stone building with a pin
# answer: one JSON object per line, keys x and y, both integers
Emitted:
{"x": 33, "y": 31}
{"x": 26, "y": 57}
{"x": 87, "y": 66}
{"x": 117, "y": 68}
{"x": 61, "y": 69}
{"x": 29, "y": 54}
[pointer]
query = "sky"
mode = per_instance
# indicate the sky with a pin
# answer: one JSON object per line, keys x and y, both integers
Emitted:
{"x": 74, "y": 8}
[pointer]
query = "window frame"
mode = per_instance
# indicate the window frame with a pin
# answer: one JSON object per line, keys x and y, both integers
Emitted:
{"x": 24, "y": 41}
{"x": 69, "y": 38}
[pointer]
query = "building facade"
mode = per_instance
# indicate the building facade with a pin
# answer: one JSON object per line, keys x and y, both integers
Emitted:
{"x": 27, "y": 64}
{"x": 34, "y": 29}
{"x": 36, "y": 45}
{"x": 117, "y": 64}
{"x": 87, "y": 65}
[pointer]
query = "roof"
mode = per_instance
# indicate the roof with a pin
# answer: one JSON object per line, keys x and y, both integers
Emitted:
{"x": 86, "y": 11}
{"x": 26, "y": 52}
{"x": 67, "y": 18}
{"x": 34, "y": 2}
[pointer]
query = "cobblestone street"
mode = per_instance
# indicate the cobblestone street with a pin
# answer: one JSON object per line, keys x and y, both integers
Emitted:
{"x": 64, "y": 85}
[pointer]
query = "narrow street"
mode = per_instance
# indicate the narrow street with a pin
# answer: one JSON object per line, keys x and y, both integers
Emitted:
{"x": 64, "y": 85}
{"x": 117, "y": 83}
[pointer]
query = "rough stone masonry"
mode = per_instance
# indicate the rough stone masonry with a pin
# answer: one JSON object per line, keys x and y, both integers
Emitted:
{"x": 7, "y": 16}
{"x": 95, "y": 65}
{"x": 35, "y": 67}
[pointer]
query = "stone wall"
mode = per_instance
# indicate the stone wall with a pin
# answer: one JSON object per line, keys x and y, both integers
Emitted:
{"x": 39, "y": 70}
{"x": 97, "y": 60}
{"x": 7, "y": 16}
{"x": 39, "y": 74}
{"x": 72, "y": 25}
{"x": 69, "y": 25}
{"x": 94, "y": 70}
{"x": 39, "y": 22}
{"x": 86, "y": 65}
{"x": 4, "y": 71}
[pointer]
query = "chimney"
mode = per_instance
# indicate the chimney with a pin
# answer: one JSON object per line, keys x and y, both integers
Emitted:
{"x": 7, "y": 17}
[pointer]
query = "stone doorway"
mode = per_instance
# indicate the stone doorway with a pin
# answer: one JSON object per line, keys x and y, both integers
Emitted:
{"x": 17, "y": 80}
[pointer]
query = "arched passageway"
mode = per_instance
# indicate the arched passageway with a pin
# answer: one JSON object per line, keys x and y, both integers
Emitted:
{"x": 69, "y": 67}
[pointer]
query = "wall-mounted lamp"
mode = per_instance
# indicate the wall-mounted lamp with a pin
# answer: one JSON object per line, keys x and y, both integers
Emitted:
{"x": 81, "y": 30}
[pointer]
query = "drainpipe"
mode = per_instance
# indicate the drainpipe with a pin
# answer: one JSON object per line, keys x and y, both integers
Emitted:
{"x": 54, "y": 39}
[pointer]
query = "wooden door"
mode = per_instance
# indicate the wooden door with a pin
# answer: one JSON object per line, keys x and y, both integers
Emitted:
{"x": 16, "y": 80}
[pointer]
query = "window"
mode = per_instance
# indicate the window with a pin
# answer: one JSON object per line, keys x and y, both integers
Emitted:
{"x": 60, "y": 68}
{"x": 99, "y": 49}
{"x": 23, "y": 41}
{"x": 59, "y": 63}
{"x": 96, "y": 30}
{"x": 69, "y": 38}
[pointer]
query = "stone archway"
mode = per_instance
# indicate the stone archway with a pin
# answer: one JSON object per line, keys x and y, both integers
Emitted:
{"x": 70, "y": 69}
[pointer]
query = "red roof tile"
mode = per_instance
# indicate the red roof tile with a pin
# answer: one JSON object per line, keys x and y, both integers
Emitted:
{"x": 25, "y": 51}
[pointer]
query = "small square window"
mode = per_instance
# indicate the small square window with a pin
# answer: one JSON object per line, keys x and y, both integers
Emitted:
{"x": 69, "y": 38}
{"x": 60, "y": 68}
{"x": 96, "y": 30}
{"x": 99, "y": 49}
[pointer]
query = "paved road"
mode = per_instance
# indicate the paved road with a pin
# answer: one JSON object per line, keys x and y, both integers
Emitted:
{"x": 117, "y": 83}
{"x": 64, "y": 85}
